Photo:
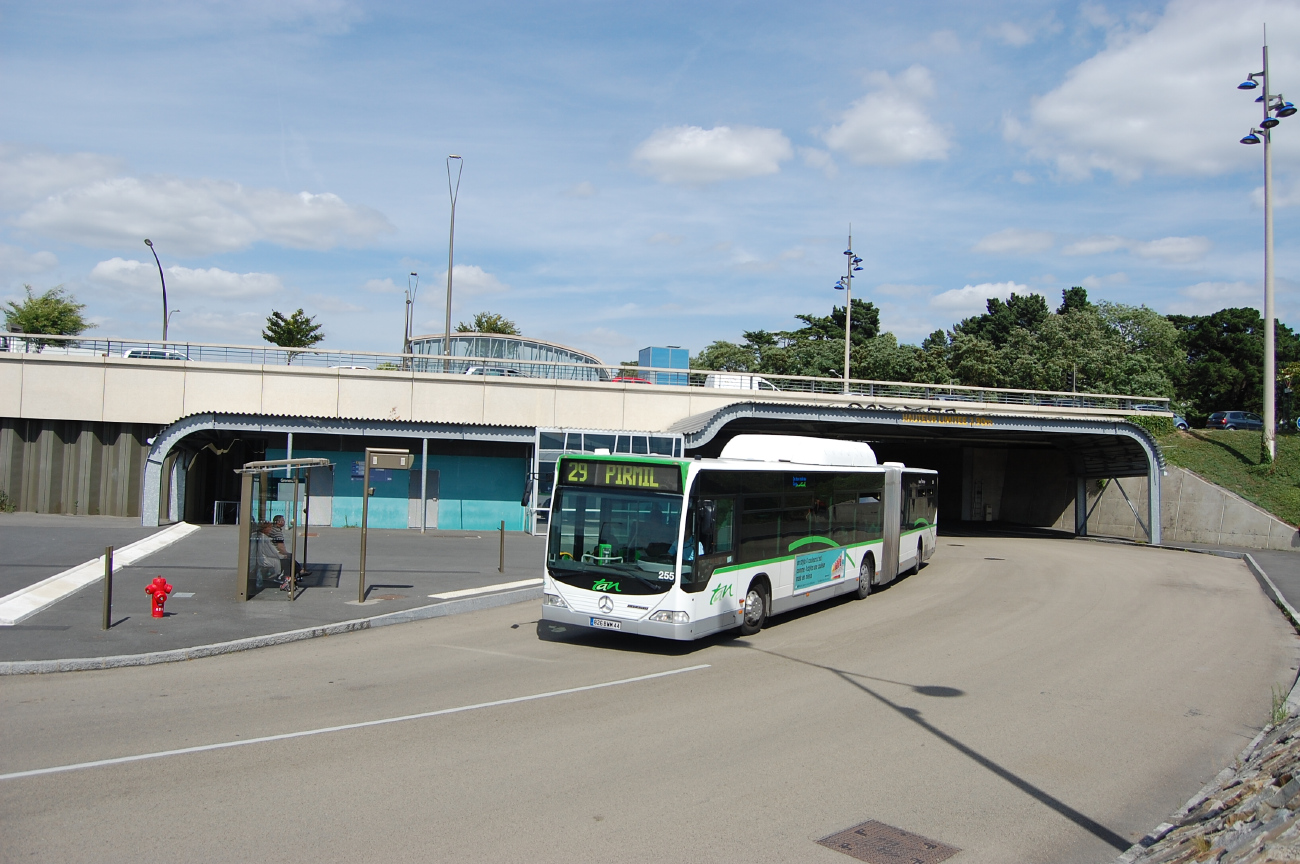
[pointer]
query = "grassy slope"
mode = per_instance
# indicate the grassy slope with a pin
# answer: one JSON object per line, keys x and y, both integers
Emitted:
{"x": 1231, "y": 460}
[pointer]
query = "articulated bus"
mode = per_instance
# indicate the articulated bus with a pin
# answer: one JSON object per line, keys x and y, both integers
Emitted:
{"x": 681, "y": 548}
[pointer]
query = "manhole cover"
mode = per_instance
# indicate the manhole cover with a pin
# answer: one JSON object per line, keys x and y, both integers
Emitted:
{"x": 389, "y": 597}
{"x": 878, "y": 843}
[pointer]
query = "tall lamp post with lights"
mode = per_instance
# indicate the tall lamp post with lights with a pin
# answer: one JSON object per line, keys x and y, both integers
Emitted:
{"x": 410, "y": 311}
{"x": 1274, "y": 107}
{"x": 451, "y": 243}
{"x": 161, "y": 278}
{"x": 853, "y": 264}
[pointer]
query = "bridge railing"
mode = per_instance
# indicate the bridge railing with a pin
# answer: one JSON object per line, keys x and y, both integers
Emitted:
{"x": 948, "y": 398}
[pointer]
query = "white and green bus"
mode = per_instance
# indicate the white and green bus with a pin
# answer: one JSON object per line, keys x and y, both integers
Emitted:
{"x": 681, "y": 548}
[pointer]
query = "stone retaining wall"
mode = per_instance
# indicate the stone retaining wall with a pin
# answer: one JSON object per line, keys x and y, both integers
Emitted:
{"x": 1193, "y": 510}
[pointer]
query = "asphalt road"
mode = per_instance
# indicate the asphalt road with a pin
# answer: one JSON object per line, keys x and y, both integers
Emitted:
{"x": 1020, "y": 699}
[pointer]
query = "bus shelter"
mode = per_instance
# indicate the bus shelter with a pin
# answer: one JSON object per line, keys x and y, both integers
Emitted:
{"x": 274, "y": 502}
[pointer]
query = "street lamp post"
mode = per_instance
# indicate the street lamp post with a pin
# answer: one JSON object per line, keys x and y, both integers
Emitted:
{"x": 853, "y": 264}
{"x": 451, "y": 245}
{"x": 1274, "y": 107}
{"x": 410, "y": 311}
{"x": 166, "y": 317}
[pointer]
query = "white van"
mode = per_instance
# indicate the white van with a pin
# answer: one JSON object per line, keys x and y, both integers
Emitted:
{"x": 739, "y": 381}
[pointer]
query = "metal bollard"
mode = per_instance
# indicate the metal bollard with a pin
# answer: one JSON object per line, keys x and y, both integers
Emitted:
{"x": 501, "y": 566}
{"x": 108, "y": 588}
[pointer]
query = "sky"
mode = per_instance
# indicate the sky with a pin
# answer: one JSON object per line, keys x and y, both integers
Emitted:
{"x": 636, "y": 174}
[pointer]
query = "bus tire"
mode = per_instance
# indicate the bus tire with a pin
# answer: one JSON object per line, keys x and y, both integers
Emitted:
{"x": 916, "y": 559}
{"x": 756, "y": 605}
{"x": 866, "y": 576}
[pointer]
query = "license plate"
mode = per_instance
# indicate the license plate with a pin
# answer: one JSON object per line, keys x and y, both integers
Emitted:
{"x": 606, "y": 624}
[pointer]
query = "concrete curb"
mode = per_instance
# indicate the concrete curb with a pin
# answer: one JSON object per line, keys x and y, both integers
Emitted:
{"x": 420, "y": 613}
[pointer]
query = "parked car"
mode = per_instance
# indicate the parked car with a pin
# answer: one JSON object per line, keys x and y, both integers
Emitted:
{"x": 739, "y": 382}
{"x": 495, "y": 371}
{"x": 153, "y": 354}
{"x": 1180, "y": 423}
{"x": 1234, "y": 420}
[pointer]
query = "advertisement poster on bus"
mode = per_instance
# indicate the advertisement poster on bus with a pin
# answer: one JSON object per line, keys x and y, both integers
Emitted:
{"x": 818, "y": 568}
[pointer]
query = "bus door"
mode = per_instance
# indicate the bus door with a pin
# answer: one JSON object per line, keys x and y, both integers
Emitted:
{"x": 892, "y": 505}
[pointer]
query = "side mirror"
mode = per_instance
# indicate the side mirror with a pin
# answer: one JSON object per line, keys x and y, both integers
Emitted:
{"x": 706, "y": 518}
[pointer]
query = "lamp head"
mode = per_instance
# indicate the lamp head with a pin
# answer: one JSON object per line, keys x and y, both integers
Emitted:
{"x": 1249, "y": 84}
{"x": 1270, "y": 122}
{"x": 148, "y": 242}
{"x": 1250, "y": 138}
{"x": 1286, "y": 109}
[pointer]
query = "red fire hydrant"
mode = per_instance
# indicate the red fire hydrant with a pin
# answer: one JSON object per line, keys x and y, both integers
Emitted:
{"x": 159, "y": 589}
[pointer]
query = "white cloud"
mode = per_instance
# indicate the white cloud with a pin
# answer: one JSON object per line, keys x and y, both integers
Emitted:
{"x": 1174, "y": 250}
{"x": 1092, "y": 283}
{"x": 197, "y": 217}
{"x": 213, "y": 282}
{"x": 1015, "y": 241}
{"x": 1098, "y": 244}
{"x": 1022, "y": 177}
{"x": 973, "y": 299}
{"x": 694, "y": 156}
{"x": 14, "y": 260}
{"x": 380, "y": 286}
{"x": 1162, "y": 98}
{"x": 1206, "y": 297}
{"x": 1011, "y": 34}
{"x": 468, "y": 282}
{"x": 890, "y": 125}
{"x": 665, "y": 238}
{"x": 1169, "y": 250}
{"x": 585, "y": 189}
{"x": 30, "y": 175}
{"x": 819, "y": 159}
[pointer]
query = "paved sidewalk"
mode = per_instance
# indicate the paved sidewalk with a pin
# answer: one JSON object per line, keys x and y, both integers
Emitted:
{"x": 34, "y": 546}
{"x": 403, "y": 568}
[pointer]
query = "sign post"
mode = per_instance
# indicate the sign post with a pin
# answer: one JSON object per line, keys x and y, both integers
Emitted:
{"x": 380, "y": 458}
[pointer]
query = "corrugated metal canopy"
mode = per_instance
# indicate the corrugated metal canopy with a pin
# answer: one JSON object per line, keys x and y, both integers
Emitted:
{"x": 1094, "y": 448}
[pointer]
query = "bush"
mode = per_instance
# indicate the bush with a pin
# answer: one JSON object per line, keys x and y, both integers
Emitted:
{"x": 1155, "y": 425}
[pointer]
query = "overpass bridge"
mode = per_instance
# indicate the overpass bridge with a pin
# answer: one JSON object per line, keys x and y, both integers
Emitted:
{"x": 133, "y": 427}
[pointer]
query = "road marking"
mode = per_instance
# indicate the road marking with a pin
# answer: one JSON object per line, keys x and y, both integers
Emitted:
{"x": 469, "y": 592}
{"x": 26, "y": 602}
{"x": 59, "y": 769}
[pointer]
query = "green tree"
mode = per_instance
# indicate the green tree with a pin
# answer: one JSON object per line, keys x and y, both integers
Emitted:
{"x": 489, "y": 322}
{"x": 1224, "y": 365}
{"x": 54, "y": 312}
{"x": 1072, "y": 299}
{"x": 299, "y": 330}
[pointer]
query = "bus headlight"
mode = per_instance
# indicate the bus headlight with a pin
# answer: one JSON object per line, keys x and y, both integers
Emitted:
{"x": 666, "y": 617}
{"x": 554, "y": 600}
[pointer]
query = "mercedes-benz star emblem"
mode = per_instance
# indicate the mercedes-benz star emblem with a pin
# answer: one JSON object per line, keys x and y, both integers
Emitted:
{"x": 606, "y": 604}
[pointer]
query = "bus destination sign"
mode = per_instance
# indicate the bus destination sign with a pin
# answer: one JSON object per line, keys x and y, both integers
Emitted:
{"x": 622, "y": 475}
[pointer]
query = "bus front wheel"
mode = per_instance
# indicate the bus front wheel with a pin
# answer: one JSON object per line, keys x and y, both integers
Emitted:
{"x": 866, "y": 576}
{"x": 755, "y": 615}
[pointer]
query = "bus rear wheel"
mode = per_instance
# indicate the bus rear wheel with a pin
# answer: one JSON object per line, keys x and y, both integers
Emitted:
{"x": 866, "y": 576}
{"x": 755, "y": 615}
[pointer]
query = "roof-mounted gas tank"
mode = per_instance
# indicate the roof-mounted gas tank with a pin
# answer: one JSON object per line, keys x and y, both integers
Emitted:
{"x": 800, "y": 449}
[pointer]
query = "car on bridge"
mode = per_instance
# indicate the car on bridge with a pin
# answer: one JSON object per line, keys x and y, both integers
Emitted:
{"x": 1234, "y": 420}
{"x": 153, "y": 354}
{"x": 496, "y": 372}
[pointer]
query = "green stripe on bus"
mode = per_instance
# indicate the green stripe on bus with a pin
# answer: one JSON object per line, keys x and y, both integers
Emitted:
{"x": 729, "y": 568}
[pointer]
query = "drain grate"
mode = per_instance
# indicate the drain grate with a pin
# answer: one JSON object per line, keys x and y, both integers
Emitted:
{"x": 878, "y": 843}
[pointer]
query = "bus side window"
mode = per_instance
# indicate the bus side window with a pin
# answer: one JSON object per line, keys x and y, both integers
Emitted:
{"x": 724, "y": 529}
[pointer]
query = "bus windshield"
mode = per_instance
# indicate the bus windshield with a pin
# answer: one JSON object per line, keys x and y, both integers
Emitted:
{"x": 614, "y": 541}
